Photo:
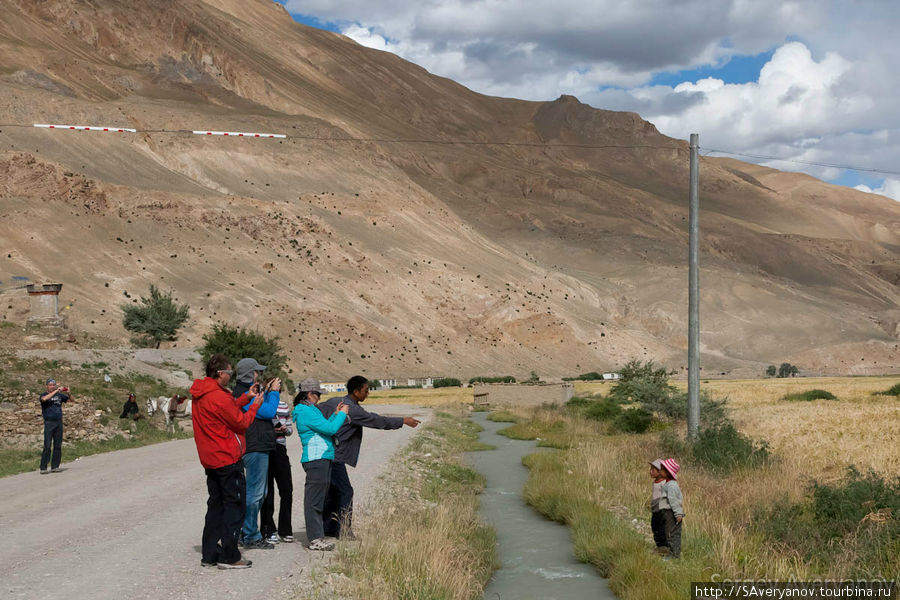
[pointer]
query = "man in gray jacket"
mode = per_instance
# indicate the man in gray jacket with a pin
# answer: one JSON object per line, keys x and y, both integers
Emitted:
{"x": 347, "y": 441}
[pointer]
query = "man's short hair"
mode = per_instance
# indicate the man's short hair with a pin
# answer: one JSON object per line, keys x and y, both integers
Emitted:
{"x": 216, "y": 363}
{"x": 355, "y": 383}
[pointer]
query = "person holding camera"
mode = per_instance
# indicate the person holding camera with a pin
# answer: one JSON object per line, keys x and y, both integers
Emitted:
{"x": 260, "y": 444}
{"x": 51, "y": 410}
{"x": 219, "y": 426}
{"x": 316, "y": 435}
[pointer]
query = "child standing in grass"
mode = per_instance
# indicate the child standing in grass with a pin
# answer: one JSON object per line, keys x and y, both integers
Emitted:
{"x": 671, "y": 505}
{"x": 656, "y": 516}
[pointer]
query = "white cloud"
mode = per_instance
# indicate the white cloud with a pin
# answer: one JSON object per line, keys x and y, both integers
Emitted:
{"x": 826, "y": 97}
{"x": 890, "y": 188}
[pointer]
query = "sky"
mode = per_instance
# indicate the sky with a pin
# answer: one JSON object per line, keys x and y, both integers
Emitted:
{"x": 814, "y": 81}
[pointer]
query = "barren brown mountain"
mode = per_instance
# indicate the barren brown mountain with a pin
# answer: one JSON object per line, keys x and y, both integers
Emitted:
{"x": 396, "y": 257}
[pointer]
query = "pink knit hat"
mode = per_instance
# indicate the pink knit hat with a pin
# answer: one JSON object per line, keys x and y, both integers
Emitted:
{"x": 671, "y": 466}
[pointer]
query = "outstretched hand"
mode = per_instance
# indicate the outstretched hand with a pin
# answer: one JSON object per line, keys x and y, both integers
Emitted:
{"x": 410, "y": 421}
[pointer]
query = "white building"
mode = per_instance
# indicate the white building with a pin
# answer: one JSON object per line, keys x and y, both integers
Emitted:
{"x": 386, "y": 384}
{"x": 335, "y": 387}
{"x": 422, "y": 382}
{"x": 612, "y": 376}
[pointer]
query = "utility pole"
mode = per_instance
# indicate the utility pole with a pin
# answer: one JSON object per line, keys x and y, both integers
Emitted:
{"x": 694, "y": 294}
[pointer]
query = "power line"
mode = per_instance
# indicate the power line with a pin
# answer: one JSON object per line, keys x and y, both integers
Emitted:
{"x": 806, "y": 162}
{"x": 453, "y": 143}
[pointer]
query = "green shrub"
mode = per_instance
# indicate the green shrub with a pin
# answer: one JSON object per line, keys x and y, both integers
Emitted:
{"x": 603, "y": 410}
{"x": 721, "y": 447}
{"x": 237, "y": 343}
{"x": 502, "y": 379}
{"x": 447, "y": 382}
{"x": 592, "y": 376}
{"x": 894, "y": 390}
{"x": 809, "y": 396}
{"x": 633, "y": 420}
{"x": 579, "y": 402}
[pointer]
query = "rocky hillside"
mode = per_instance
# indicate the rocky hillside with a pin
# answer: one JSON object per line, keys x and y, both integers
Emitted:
{"x": 562, "y": 250}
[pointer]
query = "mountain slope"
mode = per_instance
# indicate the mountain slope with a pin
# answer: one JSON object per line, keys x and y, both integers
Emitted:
{"x": 402, "y": 257}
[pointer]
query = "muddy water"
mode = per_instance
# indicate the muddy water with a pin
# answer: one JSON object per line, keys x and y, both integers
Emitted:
{"x": 536, "y": 554}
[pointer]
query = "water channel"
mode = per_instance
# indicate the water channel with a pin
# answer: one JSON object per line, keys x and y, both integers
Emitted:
{"x": 536, "y": 554}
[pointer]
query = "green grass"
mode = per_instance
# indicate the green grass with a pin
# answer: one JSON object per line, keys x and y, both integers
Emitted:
{"x": 424, "y": 540}
{"x": 502, "y": 416}
{"x": 894, "y": 390}
{"x": 809, "y": 396}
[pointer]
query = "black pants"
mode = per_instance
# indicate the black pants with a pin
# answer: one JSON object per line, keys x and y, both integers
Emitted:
{"x": 280, "y": 474}
{"x": 673, "y": 532}
{"x": 52, "y": 434}
{"x": 658, "y": 526}
{"x": 224, "y": 513}
{"x": 339, "y": 503}
{"x": 315, "y": 490}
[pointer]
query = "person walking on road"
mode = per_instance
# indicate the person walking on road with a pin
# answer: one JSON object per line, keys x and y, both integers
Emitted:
{"x": 339, "y": 503}
{"x": 219, "y": 426}
{"x": 316, "y": 433}
{"x": 260, "y": 443}
{"x": 51, "y": 410}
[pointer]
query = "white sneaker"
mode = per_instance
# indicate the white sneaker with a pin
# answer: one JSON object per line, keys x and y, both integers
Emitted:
{"x": 321, "y": 544}
{"x": 273, "y": 539}
{"x": 287, "y": 538}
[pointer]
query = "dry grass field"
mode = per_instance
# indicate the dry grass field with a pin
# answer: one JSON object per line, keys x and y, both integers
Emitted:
{"x": 598, "y": 484}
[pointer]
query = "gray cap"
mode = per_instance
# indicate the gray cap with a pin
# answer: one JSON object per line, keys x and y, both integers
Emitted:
{"x": 656, "y": 464}
{"x": 311, "y": 385}
{"x": 243, "y": 371}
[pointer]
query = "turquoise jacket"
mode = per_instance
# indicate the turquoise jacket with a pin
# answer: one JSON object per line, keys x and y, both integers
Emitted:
{"x": 316, "y": 431}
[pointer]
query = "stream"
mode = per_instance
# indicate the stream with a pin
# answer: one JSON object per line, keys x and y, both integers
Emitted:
{"x": 537, "y": 558}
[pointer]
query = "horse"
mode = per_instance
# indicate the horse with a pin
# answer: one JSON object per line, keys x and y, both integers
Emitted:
{"x": 176, "y": 407}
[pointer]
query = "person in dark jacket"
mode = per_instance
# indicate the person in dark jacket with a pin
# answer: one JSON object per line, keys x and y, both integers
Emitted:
{"x": 219, "y": 426}
{"x": 260, "y": 443}
{"x": 130, "y": 410}
{"x": 51, "y": 410}
{"x": 347, "y": 441}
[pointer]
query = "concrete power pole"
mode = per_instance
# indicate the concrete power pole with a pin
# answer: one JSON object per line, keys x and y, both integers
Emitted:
{"x": 694, "y": 295}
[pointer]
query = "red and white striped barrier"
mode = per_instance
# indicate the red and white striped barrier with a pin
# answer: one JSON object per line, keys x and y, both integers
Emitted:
{"x": 240, "y": 134}
{"x": 86, "y": 128}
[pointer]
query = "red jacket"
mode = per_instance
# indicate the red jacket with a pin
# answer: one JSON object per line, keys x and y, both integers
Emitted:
{"x": 219, "y": 423}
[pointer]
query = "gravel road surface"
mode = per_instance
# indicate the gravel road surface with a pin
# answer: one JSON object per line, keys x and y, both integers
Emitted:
{"x": 127, "y": 524}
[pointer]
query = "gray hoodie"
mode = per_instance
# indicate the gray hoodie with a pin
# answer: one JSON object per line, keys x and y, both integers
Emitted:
{"x": 672, "y": 498}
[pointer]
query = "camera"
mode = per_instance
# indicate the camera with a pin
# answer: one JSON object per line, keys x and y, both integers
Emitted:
{"x": 64, "y": 389}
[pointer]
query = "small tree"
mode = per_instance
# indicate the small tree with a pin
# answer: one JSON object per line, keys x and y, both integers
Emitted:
{"x": 156, "y": 319}
{"x": 787, "y": 370}
{"x": 237, "y": 343}
{"x": 771, "y": 371}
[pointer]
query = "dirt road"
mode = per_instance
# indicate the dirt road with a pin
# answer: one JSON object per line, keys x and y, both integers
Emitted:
{"x": 127, "y": 524}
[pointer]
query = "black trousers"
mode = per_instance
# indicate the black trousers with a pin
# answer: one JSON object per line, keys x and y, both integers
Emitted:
{"x": 658, "y": 526}
{"x": 280, "y": 474}
{"x": 318, "y": 479}
{"x": 53, "y": 431}
{"x": 339, "y": 502}
{"x": 673, "y": 532}
{"x": 224, "y": 513}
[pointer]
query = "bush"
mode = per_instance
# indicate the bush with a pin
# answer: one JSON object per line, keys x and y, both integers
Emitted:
{"x": 771, "y": 371}
{"x": 592, "y": 376}
{"x": 633, "y": 420}
{"x": 809, "y": 396}
{"x": 502, "y": 379}
{"x": 603, "y": 410}
{"x": 577, "y": 402}
{"x": 156, "y": 319}
{"x": 447, "y": 382}
{"x": 722, "y": 447}
{"x": 237, "y": 343}
{"x": 894, "y": 390}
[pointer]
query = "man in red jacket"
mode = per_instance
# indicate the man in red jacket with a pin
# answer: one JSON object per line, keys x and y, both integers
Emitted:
{"x": 219, "y": 426}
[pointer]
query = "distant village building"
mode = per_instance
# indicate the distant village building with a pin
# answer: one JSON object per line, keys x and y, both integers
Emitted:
{"x": 387, "y": 384}
{"x": 335, "y": 387}
{"x": 421, "y": 382}
{"x": 612, "y": 376}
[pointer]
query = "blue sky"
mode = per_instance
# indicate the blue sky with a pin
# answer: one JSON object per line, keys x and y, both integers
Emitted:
{"x": 805, "y": 80}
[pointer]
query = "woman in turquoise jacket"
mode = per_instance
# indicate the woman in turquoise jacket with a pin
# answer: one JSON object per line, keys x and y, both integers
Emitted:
{"x": 316, "y": 433}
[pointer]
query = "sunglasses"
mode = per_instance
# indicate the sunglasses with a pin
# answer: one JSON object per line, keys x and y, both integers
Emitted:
{"x": 228, "y": 371}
